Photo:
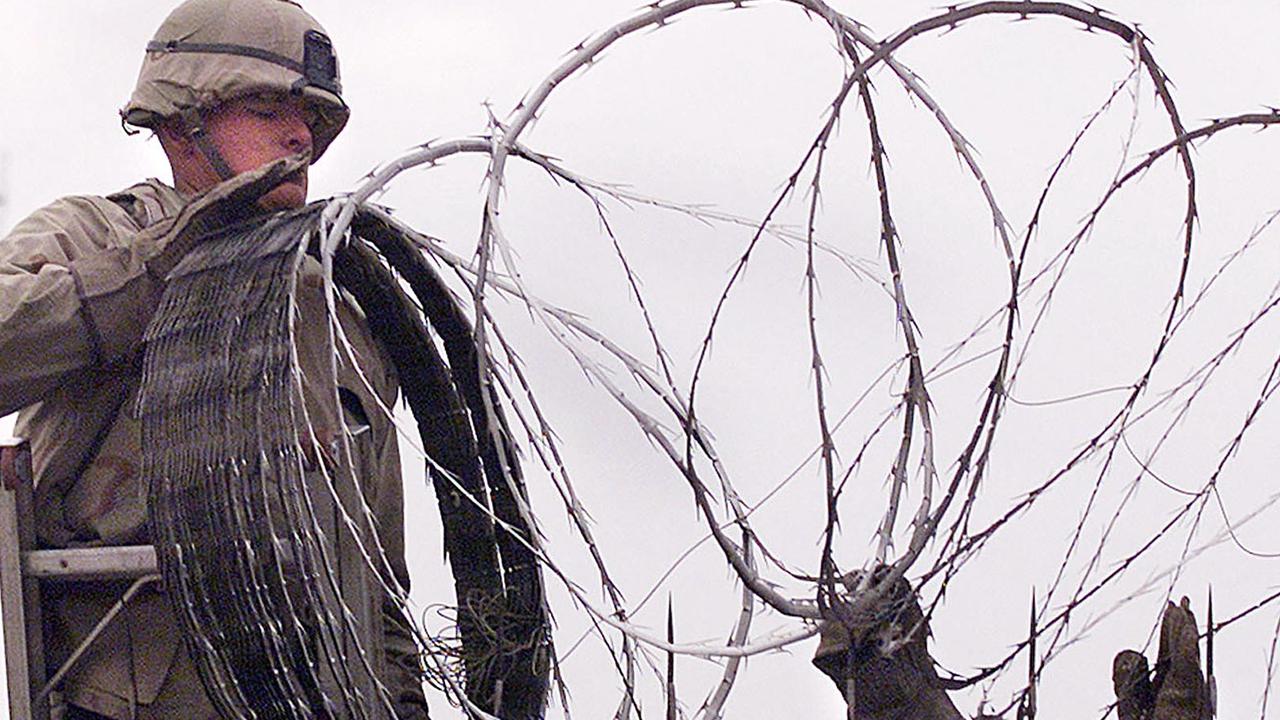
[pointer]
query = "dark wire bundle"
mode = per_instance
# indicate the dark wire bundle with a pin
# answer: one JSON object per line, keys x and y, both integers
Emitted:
{"x": 254, "y": 544}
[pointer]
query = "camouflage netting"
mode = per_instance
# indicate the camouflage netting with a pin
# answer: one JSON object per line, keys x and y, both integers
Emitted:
{"x": 254, "y": 535}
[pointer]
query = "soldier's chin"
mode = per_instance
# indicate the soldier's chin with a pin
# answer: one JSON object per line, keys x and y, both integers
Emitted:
{"x": 285, "y": 196}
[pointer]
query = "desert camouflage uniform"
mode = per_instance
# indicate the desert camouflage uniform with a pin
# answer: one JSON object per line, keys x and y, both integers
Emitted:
{"x": 61, "y": 364}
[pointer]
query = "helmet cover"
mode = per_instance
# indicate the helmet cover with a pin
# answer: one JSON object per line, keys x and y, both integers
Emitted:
{"x": 210, "y": 51}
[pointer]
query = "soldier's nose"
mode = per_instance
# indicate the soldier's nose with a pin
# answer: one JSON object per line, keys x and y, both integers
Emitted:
{"x": 299, "y": 136}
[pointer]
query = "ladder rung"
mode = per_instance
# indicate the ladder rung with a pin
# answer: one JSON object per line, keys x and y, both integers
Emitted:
{"x": 101, "y": 563}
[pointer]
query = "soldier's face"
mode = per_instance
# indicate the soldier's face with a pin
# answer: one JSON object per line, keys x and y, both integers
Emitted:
{"x": 252, "y": 131}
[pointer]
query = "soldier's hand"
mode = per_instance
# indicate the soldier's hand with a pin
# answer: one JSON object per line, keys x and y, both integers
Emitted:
{"x": 120, "y": 287}
{"x": 882, "y": 665}
{"x": 1178, "y": 691}
{"x": 1181, "y": 693}
{"x": 162, "y": 245}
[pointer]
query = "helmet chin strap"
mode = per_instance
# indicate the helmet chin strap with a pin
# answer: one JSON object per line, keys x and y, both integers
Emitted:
{"x": 193, "y": 126}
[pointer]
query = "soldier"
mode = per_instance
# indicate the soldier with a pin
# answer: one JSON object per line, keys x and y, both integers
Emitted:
{"x": 241, "y": 94}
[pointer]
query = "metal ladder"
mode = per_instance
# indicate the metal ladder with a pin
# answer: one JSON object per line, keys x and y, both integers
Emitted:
{"x": 23, "y": 568}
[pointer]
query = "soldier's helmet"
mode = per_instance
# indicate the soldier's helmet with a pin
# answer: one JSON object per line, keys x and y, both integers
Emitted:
{"x": 210, "y": 51}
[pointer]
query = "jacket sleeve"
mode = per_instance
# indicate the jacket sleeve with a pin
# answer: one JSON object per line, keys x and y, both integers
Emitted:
{"x": 46, "y": 330}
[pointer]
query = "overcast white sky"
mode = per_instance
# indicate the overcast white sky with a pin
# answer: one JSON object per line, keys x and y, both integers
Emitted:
{"x": 719, "y": 108}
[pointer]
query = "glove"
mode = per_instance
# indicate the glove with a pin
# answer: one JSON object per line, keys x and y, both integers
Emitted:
{"x": 1131, "y": 679}
{"x": 1178, "y": 691}
{"x": 120, "y": 287}
{"x": 882, "y": 665}
{"x": 168, "y": 241}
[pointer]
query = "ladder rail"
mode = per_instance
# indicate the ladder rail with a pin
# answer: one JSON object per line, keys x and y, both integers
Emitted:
{"x": 19, "y": 593}
{"x": 23, "y": 567}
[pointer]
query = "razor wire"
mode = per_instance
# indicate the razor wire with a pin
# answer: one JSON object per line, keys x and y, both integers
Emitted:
{"x": 269, "y": 552}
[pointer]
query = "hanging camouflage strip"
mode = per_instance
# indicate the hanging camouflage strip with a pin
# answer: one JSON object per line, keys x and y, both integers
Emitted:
{"x": 255, "y": 535}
